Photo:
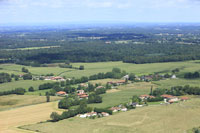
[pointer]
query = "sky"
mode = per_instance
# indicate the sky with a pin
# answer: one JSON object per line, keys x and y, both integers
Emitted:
{"x": 81, "y": 11}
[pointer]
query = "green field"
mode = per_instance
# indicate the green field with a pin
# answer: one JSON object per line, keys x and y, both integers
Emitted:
{"x": 13, "y": 68}
{"x": 94, "y": 68}
{"x": 175, "y": 118}
{"x": 123, "y": 94}
{"x": 167, "y": 84}
{"x": 14, "y": 101}
{"x": 21, "y": 83}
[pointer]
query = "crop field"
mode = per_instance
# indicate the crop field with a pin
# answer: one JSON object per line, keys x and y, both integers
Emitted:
{"x": 123, "y": 94}
{"x": 175, "y": 118}
{"x": 14, "y": 101}
{"x": 22, "y": 83}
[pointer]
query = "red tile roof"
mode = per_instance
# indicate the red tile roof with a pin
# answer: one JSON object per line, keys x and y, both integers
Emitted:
{"x": 167, "y": 96}
{"x": 184, "y": 98}
{"x": 61, "y": 93}
{"x": 144, "y": 96}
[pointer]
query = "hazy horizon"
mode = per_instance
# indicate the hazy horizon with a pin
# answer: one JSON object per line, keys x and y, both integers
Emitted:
{"x": 19, "y": 12}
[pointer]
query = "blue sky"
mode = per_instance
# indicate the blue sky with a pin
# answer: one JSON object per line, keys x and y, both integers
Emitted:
{"x": 61, "y": 11}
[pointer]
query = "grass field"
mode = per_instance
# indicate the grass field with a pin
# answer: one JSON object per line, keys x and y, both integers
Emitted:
{"x": 13, "y": 101}
{"x": 94, "y": 68}
{"x": 22, "y": 83}
{"x": 11, "y": 119}
{"x": 167, "y": 84}
{"x": 13, "y": 68}
{"x": 123, "y": 94}
{"x": 175, "y": 118}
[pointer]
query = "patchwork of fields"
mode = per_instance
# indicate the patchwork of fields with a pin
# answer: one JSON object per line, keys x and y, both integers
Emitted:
{"x": 175, "y": 118}
{"x": 94, "y": 68}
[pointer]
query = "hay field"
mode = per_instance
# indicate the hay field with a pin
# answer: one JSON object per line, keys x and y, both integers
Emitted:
{"x": 175, "y": 118}
{"x": 11, "y": 119}
{"x": 15, "y": 101}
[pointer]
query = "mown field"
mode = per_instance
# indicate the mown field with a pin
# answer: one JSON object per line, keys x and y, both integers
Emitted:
{"x": 175, "y": 118}
{"x": 11, "y": 119}
{"x": 22, "y": 83}
{"x": 14, "y": 101}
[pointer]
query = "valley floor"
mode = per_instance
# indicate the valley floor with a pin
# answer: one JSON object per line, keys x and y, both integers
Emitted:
{"x": 11, "y": 119}
{"x": 175, "y": 118}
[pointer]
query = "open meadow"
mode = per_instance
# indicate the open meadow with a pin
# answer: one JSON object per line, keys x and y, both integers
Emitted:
{"x": 123, "y": 94}
{"x": 167, "y": 84}
{"x": 22, "y": 83}
{"x": 15, "y": 101}
{"x": 175, "y": 118}
{"x": 94, "y": 68}
{"x": 11, "y": 119}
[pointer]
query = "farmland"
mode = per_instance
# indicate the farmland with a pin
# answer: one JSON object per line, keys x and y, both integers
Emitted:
{"x": 11, "y": 119}
{"x": 14, "y": 101}
{"x": 139, "y": 120}
{"x": 94, "y": 68}
{"x": 123, "y": 94}
{"x": 22, "y": 83}
{"x": 176, "y": 118}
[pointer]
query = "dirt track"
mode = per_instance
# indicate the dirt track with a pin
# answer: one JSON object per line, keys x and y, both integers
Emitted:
{"x": 11, "y": 119}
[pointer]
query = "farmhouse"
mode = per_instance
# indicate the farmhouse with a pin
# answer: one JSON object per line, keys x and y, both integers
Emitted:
{"x": 99, "y": 87}
{"x": 121, "y": 82}
{"x": 184, "y": 98}
{"x": 58, "y": 78}
{"x": 80, "y": 91}
{"x": 115, "y": 109}
{"x": 124, "y": 109}
{"x": 144, "y": 97}
{"x": 54, "y": 78}
{"x": 61, "y": 93}
{"x": 104, "y": 114}
{"x": 83, "y": 96}
{"x": 91, "y": 114}
{"x": 170, "y": 98}
{"x": 173, "y": 77}
{"x": 83, "y": 85}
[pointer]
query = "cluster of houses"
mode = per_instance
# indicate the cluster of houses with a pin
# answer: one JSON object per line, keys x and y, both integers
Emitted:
{"x": 117, "y": 83}
{"x": 61, "y": 93}
{"x": 148, "y": 78}
{"x": 81, "y": 94}
{"x": 54, "y": 78}
{"x": 119, "y": 108}
{"x": 167, "y": 98}
{"x": 93, "y": 114}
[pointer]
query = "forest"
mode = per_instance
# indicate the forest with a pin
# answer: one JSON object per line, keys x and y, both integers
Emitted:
{"x": 128, "y": 44}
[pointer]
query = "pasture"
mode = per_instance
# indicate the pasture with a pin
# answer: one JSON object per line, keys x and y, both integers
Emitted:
{"x": 21, "y": 83}
{"x": 167, "y": 84}
{"x": 123, "y": 94}
{"x": 94, "y": 68}
{"x": 175, "y": 118}
{"x": 14, "y": 101}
